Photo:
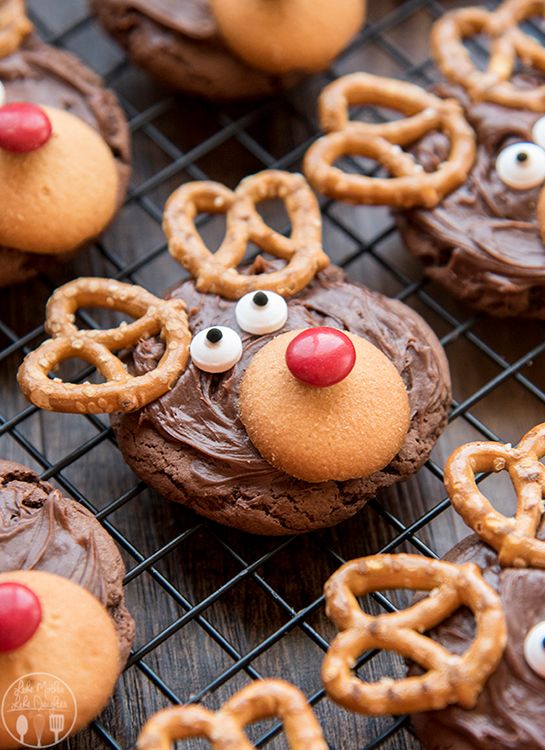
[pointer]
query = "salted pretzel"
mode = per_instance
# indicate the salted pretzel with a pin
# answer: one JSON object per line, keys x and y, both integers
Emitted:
{"x": 121, "y": 391}
{"x": 14, "y": 25}
{"x": 513, "y": 538}
{"x": 225, "y": 728}
{"x": 216, "y": 272}
{"x": 410, "y": 185}
{"x": 507, "y": 44}
{"x": 448, "y": 678}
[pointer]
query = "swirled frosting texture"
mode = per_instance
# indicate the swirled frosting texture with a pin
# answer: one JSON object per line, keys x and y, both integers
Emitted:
{"x": 509, "y": 712}
{"x": 191, "y": 445}
{"x": 483, "y": 240}
{"x": 42, "y": 530}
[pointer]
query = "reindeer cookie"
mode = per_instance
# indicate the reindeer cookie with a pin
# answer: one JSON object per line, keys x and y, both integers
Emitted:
{"x": 467, "y": 192}
{"x": 478, "y": 639}
{"x": 303, "y": 395}
{"x": 62, "y": 608}
{"x": 64, "y": 151}
{"x": 231, "y": 49}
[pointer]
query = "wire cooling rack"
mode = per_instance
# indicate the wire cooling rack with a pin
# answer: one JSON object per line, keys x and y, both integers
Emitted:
{"x": 216, "y": 608}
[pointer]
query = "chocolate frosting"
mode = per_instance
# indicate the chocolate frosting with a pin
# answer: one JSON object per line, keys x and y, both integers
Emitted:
{"x": 201, "y": 410}
{"x": 42, "y": 530}
{"x": 193, "y": 18}
{"x": 509, "y": 711}
{"x": 484, "y": 234}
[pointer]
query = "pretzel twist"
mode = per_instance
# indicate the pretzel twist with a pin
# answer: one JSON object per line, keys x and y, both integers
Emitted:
{"x": 410, "y": 184}
{"x": 216, "y": 272}
{"x": 121, "y": 391}
{"x": 448, "y": 678}
{"x": 507, "y": 43}
{"x": 224, "y": 729}
{"x": 513, "y": 538}
{"x": 14, "y": 25}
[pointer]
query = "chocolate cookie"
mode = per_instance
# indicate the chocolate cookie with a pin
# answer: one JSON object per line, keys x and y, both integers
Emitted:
{"x": 271, "y": 436}
{"x": 42, "y": 530}
{"x": 179, "y": 43}
{"x": 44, "y": 75}
{"x": 191, "y": 446}
{"x": 483, "y": 242}
{"x": 508, "y": 714}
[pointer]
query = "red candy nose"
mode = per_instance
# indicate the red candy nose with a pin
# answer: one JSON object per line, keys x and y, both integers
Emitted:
{"x": 23, "y": 127}
{"x": 320, "y": 356}
{"x": 20, "y": 615}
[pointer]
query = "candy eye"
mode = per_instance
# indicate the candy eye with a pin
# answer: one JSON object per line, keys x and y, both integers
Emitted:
{"x": 538, "y": 132}
{"x": 2, "y": 94}
{"x": 261, "y": 312}
{"x": 534, "y": 648}
{"x": 216, "y": 349}
{"x": 521, "y": 165}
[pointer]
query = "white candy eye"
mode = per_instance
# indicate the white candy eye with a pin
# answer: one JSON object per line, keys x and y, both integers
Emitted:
{"x": 2, "y": 94}
{"x": 534, "y": 648}
{"x": 521, "y": 165}
{"x": 538, "y": 132}
{"x": 216, "y": 349}
{"x": 261, "y": 312}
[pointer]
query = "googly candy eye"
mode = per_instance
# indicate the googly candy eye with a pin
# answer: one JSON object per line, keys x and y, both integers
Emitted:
{"x": 538, "y": 132}
{"x": 521, "y": 165}
{"x": 261, "y": 312}
{"x": 2, "y": 94}
{"x": 534, "y": 648}
{"x": 216, "y": 349}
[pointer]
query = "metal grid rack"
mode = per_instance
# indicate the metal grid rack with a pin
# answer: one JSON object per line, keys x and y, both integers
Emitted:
{"x": 216, "y": 608}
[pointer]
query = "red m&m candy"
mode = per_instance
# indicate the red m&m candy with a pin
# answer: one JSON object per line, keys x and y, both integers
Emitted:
{"x": 320, "y": 356}
{"x": 20, "y": 615}
{"x": 24, "y": 127}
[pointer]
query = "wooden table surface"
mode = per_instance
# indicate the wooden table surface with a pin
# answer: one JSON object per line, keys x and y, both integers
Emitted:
{"x": 233, "y": 606}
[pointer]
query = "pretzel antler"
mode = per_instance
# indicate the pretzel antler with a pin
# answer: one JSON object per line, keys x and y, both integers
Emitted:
{"x": 507, "y": 43}
{"x": 216, "y": 272}
{"x": 14, "y": 25}
{"x": 448, "y": 678}
{"x": 121, "y": 391}
{"x": 410, "y": 185}
{"x": 224, "y": 729}
{"x": 513, "y": 538}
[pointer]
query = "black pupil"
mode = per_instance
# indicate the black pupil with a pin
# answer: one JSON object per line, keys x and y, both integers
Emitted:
{"x": 260, "y": 299}
{"x": 214, "y": 335}
{"x": 543, "y": 644}
{"x": 522, "y": 156}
